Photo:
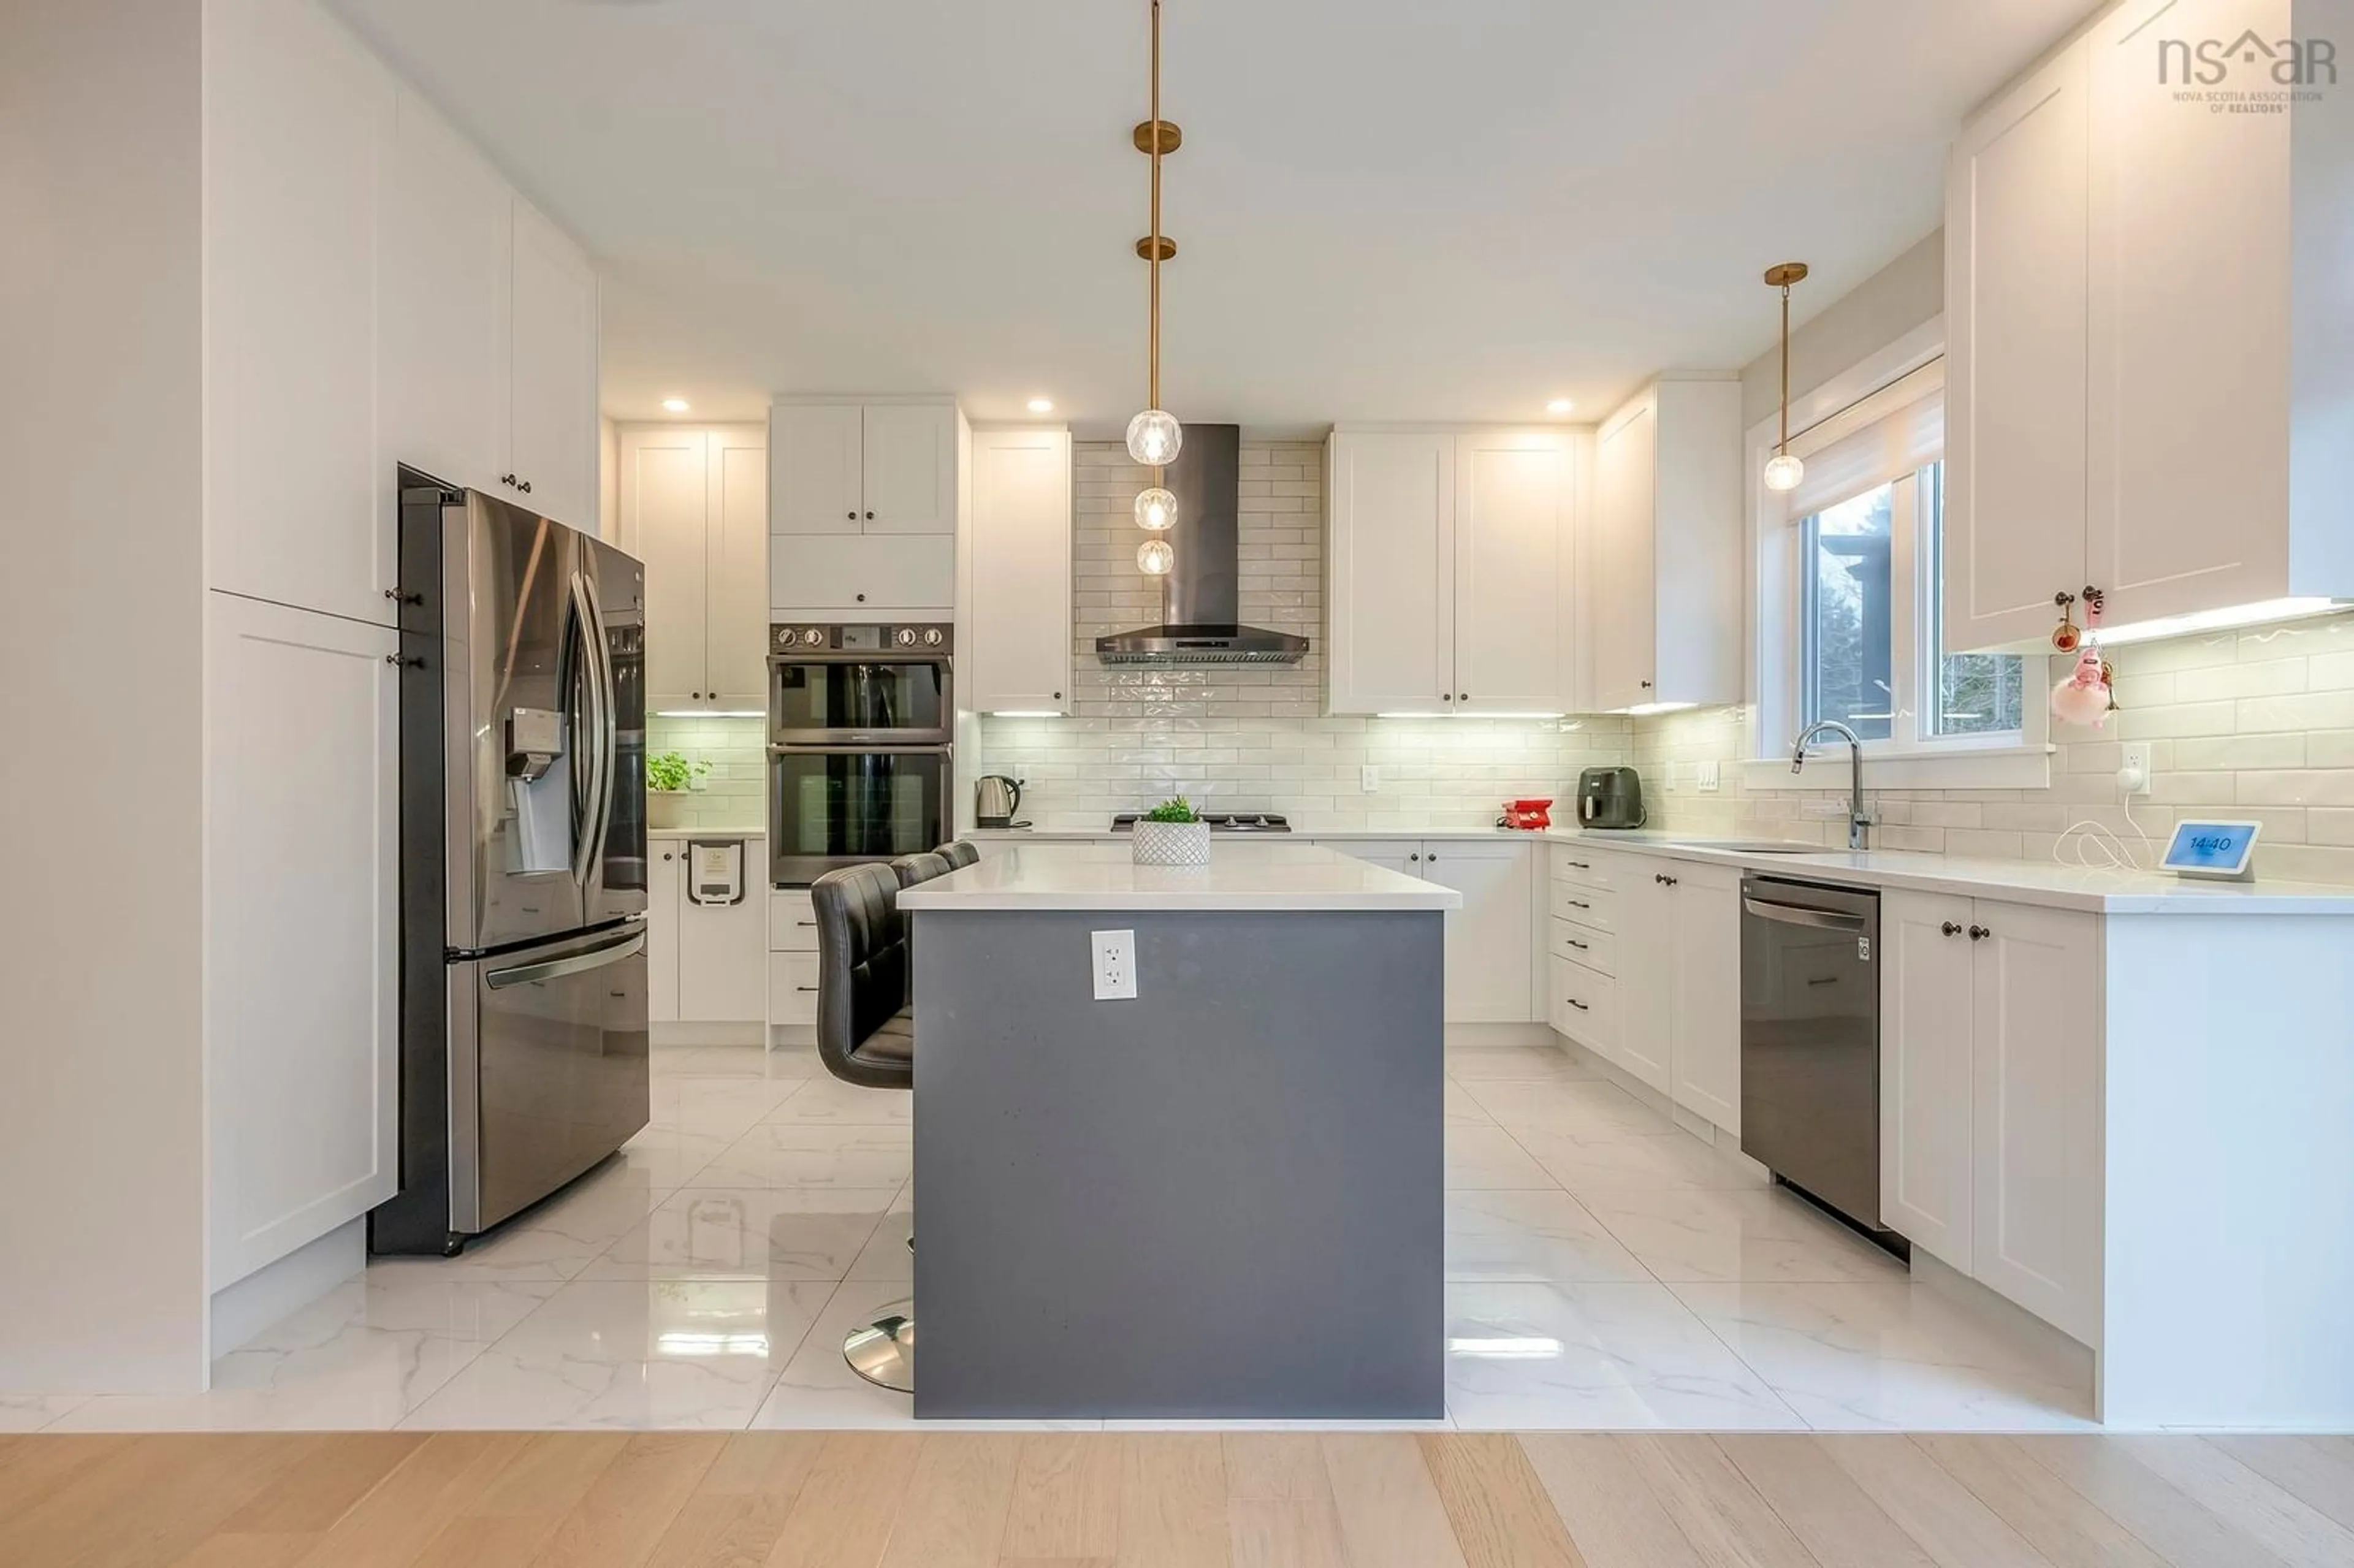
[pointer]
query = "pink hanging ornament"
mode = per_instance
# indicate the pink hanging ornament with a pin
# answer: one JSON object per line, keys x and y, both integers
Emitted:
{"x": 2084, "y": 697}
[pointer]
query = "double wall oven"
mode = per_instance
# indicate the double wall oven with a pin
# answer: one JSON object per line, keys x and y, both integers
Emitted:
{"x": 860, "y": 719}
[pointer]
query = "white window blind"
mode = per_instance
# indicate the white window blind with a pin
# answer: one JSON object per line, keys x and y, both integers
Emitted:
{"x": 1895, "y": 431}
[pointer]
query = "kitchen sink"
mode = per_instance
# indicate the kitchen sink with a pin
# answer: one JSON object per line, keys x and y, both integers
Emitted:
{"x": 1750, "y": 846}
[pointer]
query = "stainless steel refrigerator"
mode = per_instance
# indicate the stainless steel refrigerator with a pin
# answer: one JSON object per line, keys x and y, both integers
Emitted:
{"x": 522, "y": 862}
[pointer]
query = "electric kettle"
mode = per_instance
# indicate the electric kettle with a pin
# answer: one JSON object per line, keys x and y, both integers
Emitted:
{"x": 995, "y": 799}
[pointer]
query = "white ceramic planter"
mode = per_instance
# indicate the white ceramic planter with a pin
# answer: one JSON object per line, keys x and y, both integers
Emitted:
{"x": 666, "y": 808}
{"x": 1173, "y": 843}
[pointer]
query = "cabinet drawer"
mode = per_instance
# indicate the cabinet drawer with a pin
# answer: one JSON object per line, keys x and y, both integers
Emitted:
{"x": 792, "y": 988}
{"x": 1593, "y": 906}
{"x": 1583, "y": 1006}
{"x": 1598, "y": 950}
{"x": 792, "y": 921}
{"x": 1576, "y": 862}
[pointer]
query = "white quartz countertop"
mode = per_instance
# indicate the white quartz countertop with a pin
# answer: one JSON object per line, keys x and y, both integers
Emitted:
{"x": 1271, "y": 876}
{"x": 1296, "y": 834}
{"x": 2044, "y": 883}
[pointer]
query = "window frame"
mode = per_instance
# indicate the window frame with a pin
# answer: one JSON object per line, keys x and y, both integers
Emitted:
{"x": 2019, "y": 759}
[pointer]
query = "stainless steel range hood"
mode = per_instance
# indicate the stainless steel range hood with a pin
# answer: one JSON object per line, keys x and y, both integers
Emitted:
{"x": 1199, "y": 598}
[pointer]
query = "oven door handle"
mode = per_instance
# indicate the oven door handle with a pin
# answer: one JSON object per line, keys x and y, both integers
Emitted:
{"x": 1800, "y": 915}
{"x": 781, "y": 748}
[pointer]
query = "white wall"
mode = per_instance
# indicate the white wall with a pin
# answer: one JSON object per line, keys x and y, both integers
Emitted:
{"x": 102, "y": 1151}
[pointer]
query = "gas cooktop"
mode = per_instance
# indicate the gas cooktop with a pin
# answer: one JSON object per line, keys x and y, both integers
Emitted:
{"x": 1220, "y": 822}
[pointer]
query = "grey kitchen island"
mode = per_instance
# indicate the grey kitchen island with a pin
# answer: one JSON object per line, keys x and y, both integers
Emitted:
{"x": 1217, "y": 1199}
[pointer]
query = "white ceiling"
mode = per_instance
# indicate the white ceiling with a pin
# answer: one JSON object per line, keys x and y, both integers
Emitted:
{"x": 1387, "y": 209}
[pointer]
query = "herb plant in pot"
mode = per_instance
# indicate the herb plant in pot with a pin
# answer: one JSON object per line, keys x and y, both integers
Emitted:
{"x": 669, "y": 775}
{"x": 1173, "y": 834}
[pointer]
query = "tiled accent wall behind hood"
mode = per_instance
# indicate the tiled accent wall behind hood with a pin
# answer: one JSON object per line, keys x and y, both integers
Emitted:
{"x": 1254, "y": 737}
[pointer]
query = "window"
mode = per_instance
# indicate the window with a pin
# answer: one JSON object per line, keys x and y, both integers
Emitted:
{"x": 1851, "y": 625}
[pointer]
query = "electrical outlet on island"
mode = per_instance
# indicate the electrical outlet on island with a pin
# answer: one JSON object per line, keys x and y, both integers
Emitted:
{"x": 1115, "y": 965}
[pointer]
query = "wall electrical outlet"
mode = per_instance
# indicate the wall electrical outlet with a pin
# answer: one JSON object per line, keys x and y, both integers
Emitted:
{"x": 1369, "y": 777}
{"x": 1709, "y": 783}
{"x": 1115, "y": 965}
{"x": 2133, "y": 768}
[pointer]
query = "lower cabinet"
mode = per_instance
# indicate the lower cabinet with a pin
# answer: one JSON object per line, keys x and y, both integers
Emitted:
{"x": 1490, "y": 941}
{"x": 1990, "y": 1105}
{"x": 706, "y": 963}
{"x": 792, "y": 958}
{"x": 301, "y": 913}
{"x": 1648, "y": 972}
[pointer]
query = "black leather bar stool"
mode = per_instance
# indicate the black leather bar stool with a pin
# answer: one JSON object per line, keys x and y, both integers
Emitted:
{"x": 922, "y": 867}
{"x": 959, "y": 854}
{"x": 866, "y": 1035}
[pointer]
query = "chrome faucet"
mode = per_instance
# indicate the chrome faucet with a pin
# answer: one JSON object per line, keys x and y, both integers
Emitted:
{"x": 1859, "y": 821}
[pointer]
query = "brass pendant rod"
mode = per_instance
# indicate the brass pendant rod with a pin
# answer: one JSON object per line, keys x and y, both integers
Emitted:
{"x": 1785, "y": 448}
{"x": 1153, "y": 401}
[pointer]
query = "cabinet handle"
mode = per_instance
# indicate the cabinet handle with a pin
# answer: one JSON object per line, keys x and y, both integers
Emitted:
{"x": 1577, "y": 1004}
{"x": 415, "y": 662}
{"x": 1577, "y": 904}
{"x": 804, "y": 988}
{"x": 1579, "y": 865}
{"x": 1950, "y": 928}
{"x": 1571, "y": 940}
{"x": 1980, "y": 933}
{"x": 399, "y": 598}
{"x": 1645, "y": 685}
{"x": 810, "y": 923}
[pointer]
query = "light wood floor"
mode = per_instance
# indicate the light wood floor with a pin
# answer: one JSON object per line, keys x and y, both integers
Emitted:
{"x": 1173, "y": 1501}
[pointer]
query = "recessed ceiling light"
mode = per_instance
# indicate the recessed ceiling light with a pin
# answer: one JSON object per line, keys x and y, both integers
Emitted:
{"x": 1042, "y": 405}
{"x": 675, "y": 404}
{"x": 1560, "y": 405}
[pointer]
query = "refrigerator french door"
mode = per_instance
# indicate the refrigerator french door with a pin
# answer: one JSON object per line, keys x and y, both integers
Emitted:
{"x": 832, "y": 806}
{"x": 523, "y": 1037}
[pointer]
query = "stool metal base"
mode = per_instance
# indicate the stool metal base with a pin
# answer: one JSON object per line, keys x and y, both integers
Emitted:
{"x": 884, "y": 1351}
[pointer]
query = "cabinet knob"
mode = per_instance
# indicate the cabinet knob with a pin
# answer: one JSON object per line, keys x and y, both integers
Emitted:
{"x": 1462, "y": 696}
{"x": 1446, "y": 696}
{"x": 1980, "y": 933}
{"x": 1645, "y": 685}
{"x": 1669, "y": 880}
{"x": 411, "y": 662}
{"x": 861, "y": 599}
{"x": 506, "y": 479}
{"x": 870, "y": 517}
{"x": 666, "y": 855}
{"x": 524, "y": 487}
{"x": 1432, "y": 859}
{"x": 1951, "y": 928}
{"x": 852, "y": 515}
{"x": 1058, "y": 697}
{"x": 1413, "y": 857}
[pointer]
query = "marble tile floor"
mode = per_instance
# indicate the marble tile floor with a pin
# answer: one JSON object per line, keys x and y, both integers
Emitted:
{"x": 1605, "y": 1271}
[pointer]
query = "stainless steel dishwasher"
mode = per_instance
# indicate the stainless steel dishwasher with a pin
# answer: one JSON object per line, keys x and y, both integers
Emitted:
{"x": 1810, "y": 1043}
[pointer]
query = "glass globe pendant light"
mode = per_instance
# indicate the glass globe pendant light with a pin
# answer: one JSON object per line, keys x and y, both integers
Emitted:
{"x": 1156, "y": 510}
{"x": 1782, "y": 470}
{"x": 1154, "y": 436}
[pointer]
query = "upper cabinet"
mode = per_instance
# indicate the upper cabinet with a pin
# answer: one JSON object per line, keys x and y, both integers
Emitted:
{"x": 863, "y": 502}
{"x": 1450, "y": 571}
{"x": 694, "y": 506}
{"x": 875, "y": 467}
{"x": 2124, "y": 256}
{"x": 297, "y": 135}
{"x": 1662, "y": 588}
{"x": 1014, "y": 652}
{"x": 487, "y": 333}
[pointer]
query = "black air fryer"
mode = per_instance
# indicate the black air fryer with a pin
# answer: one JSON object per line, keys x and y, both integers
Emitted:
{"x": 1609, "y": 797}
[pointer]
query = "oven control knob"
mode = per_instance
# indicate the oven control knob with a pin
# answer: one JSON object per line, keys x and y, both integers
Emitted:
{"x": 813, "y": 638}
{"x": 906, "y": 637}
{"x": 931, "y": 637}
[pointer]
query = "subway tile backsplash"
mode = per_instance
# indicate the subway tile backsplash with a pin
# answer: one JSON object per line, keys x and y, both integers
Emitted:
{"x": 1254, "y": 737}
{"x": 735, "y": 793}
{"x": 2256, "y": 724}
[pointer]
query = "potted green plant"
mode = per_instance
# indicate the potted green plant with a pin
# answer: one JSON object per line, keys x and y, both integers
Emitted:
{"x": 669, "y": 776}
{"x": 1171, "y": 833}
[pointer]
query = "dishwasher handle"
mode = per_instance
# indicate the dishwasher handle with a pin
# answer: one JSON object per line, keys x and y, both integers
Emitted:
{"x": 1800, "y": 914}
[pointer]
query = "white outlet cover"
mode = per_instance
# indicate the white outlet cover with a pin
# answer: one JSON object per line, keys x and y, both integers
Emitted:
{"x": 1709, "y": 780}
{"x": 1115, "y": 965}
{"x": 2133, "y": 768}
{"x": 1369, "y": 777}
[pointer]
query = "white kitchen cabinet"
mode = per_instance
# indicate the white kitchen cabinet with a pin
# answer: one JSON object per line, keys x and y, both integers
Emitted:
{"x": 486, "y": 330}
{"x": 2016, "y": 376}
{"x": 1014, "y": 652}
{"x": 792, "y": 958}
{"x": 864, "y": 466}
{"x": 1663, "y": 589}
{"x": 861, "y": 576}
{"x": 552, "y": 382}
{"x": 1449, "y": 571}
{"x": 1706, "y": 1061}
{"x": 298, "y": 134}
{"x": 665, "y": 878}
{"x": 1514, "y": 586}
{"x": 1647, "y": 968}
{"x": 1926, "y": 979}
{"x": 693, "y": 506}
{"x": 2124, "y": 266}
{"x": 2035, "y": 1043}
{"x": 1491, "y": 943}
{"x": 707, "y": 963}
{"x": 301, "y": 1038}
